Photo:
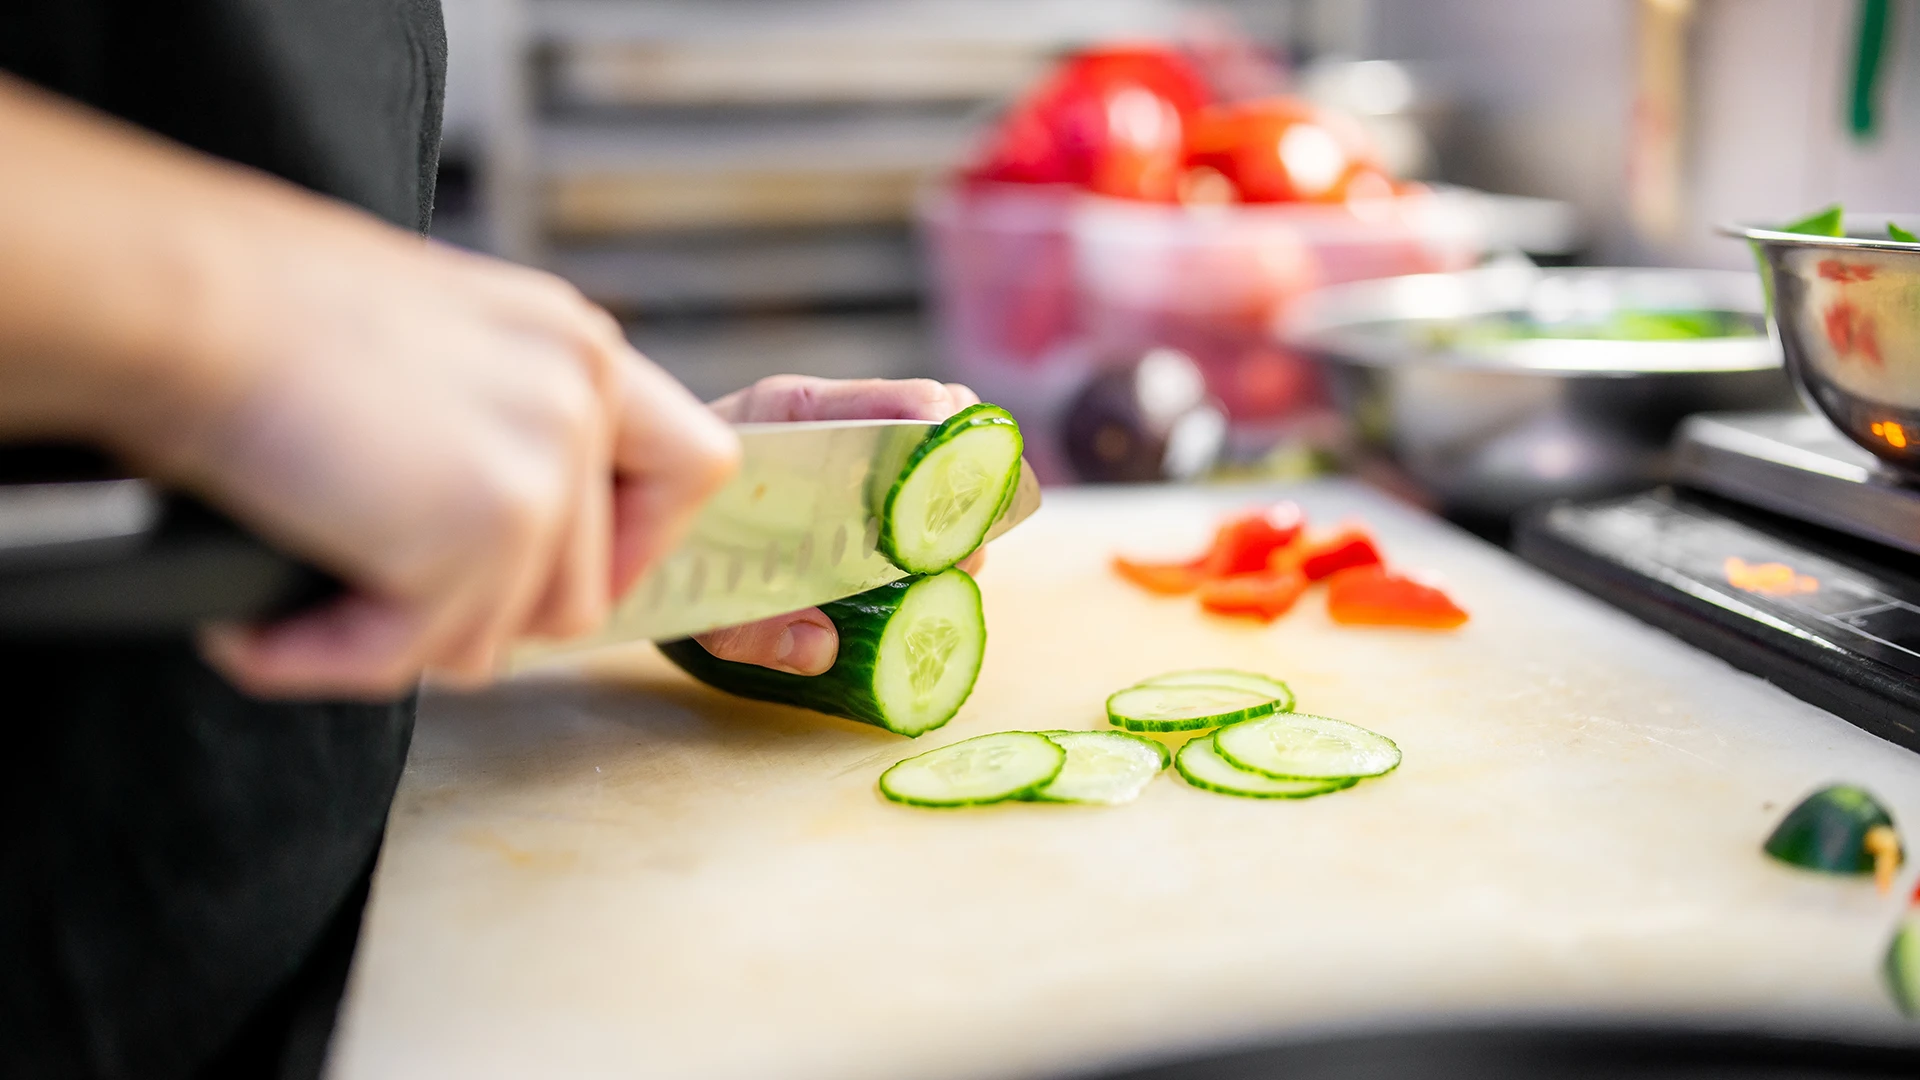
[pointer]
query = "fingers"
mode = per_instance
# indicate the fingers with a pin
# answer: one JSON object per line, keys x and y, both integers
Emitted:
{"x": 786, "y": 398}
{"x": 972, "y": 563}
{"x": 354, "y": 647}
{"x": 670, "y": 455}
{"x": 800, "y": 643}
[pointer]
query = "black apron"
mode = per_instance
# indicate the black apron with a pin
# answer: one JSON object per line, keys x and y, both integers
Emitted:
{"x": 181, "y": 868}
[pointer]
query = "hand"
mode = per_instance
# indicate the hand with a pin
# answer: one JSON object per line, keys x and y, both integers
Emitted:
{"x": 806, "y": 642}
{"x": 470, "y": 445}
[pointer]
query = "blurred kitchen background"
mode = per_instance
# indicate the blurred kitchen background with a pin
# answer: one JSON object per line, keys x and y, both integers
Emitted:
{"x": 756, "y": 186}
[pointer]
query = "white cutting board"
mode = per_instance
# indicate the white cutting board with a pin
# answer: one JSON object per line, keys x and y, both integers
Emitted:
{"x": 626, "y": 874}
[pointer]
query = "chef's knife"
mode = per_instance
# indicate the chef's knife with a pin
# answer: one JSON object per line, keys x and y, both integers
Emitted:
{"x": 794, "y": 528}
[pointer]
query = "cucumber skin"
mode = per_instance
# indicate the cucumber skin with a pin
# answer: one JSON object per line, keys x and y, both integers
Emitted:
{"x": 1827, "y": 831}
{"x": 846, "y": 688}
{"x": 1199, "y": 723}
{"x": 981, "y": 415}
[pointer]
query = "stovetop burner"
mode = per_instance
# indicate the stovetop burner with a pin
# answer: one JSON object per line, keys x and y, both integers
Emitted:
{"x": 1785, "y": 550}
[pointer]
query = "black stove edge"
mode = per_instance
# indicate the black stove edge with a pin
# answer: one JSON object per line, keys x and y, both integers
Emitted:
{"x": 1546, "y": 1052}
{"x": 1817, "y": 678}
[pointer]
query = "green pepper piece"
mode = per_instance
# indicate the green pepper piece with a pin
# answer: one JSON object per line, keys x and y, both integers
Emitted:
{"x": 1895, "y": 232}
{"x": 1828, "y": 832}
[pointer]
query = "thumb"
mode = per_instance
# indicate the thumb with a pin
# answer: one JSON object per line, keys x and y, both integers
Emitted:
{"x": 800, "y": 643}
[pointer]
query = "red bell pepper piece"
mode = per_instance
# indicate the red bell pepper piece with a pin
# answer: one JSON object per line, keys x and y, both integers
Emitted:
{"x": 1370, "y": 596}
{"x": 1167, "y": 579}
{"x": 1266, "y": 595}
{"x": 1324, "y": 558}
{"x": 1245, "y": 543}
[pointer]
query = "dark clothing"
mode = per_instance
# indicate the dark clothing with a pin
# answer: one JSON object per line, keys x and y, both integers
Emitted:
{"x": 341, "y": 96}
{"x": 182, "y": 868}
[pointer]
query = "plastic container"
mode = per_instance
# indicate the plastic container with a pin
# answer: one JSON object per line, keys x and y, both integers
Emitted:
{"x": 1036, "y": 288}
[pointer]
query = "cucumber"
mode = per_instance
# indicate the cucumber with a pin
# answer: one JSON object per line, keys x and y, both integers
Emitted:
{"x": 1243, "y": 680}
{"x": 1105, "y": 767}
{"x": 1200, "y": 764}
{"x": 1296, "y": 746}
{"x": 1829, "y": 832}
{"x": 950, "y": 489}
{"x": 984, "y": 769}
{"x": 1185, "y": 708}
{"x": 909, "y": 653}
{"x": 1902, "y": 967}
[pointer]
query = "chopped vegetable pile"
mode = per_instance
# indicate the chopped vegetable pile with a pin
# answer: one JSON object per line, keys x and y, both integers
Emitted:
{"x": 1261, "y": 749}
{"x": 1262, "y": 561}
{"x": 1142, "y": 123}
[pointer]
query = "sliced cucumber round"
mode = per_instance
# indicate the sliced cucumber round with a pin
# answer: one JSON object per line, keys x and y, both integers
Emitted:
{"x": 909, "y": 653}
{"x": 985, "y": 769}
{"x": 950, "y": 489}
{"x": 1185, "y": 708}
{"x": 1241, "y": 680}
{"x": 1296, "y": 746}
{"x": 1105, "y": 767}
{"x": 1200, "y": 764}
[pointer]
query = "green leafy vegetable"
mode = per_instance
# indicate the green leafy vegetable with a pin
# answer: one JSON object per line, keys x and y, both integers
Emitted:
{"x": 1895, "y": 232}
{"x": 1828, "y": 222}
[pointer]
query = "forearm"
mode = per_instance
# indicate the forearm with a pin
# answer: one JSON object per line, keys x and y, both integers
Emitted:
{"x": 123, "y": 260}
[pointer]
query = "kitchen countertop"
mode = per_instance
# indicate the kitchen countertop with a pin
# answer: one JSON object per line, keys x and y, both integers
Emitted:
{"x": 611, "y": 871}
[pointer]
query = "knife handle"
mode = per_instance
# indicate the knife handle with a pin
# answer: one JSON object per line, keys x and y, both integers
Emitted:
{"x": 122, "y": 558}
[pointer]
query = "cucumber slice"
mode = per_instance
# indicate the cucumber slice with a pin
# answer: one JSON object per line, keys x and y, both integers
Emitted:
{"x": 950, "y": 489}
{"x": 1242, "y": 680}
{"x": 1200, "y": 764}
{"x": 1902, "y": 967}
{"x": 1105, "y": 767}
{"x": 909, "y": 654}
{"x": 1185, "y": 708}
{"x": 1296, "y": 746}
{"x": 983, "y": 769}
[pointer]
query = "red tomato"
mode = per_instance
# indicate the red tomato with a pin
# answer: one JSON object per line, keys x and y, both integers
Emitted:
{"x": 1324, "y": 558}
{"x": 1167, "y": 579}
{"x": 1282, "y": 150}
{"x": 1265, "y": 596}
{"x": 1370, "y": 596}
{"x": 1245, "y": 543}
{"x": 1112, "y": 120}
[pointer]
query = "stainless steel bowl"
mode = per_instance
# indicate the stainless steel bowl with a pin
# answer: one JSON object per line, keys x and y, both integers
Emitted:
{"x": 1846, "y": 311}
{"x": 1487, "y": 427}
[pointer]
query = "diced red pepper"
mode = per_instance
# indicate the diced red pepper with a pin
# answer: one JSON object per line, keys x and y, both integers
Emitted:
{"x": 1370, "y": 596}
{"x": 1245, "y": 543}
{"x": 1167, "y": 579}
{"x": 1266, "y": 595}
{"x": 1324, "y": 558}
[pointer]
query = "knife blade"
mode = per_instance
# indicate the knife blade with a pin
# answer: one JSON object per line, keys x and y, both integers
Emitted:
{"x": 793, "y": 529}
{"x": 115, "y": 556}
